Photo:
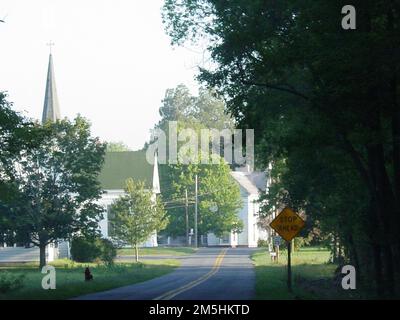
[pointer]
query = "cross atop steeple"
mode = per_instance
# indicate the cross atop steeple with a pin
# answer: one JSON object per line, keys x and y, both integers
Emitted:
{"x": 50, "y": 44}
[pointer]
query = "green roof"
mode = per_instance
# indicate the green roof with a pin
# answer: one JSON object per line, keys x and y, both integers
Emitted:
{"x": 119, "y": 166}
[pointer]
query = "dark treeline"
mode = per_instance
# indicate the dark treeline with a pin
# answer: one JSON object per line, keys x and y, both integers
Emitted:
{"x": 324, "y": 103}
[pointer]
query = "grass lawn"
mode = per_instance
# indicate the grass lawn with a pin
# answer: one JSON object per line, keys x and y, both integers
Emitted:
{"x": 311, "y": 276}
{"x": 168, "y": 251}
{"x": 70, "y": 277}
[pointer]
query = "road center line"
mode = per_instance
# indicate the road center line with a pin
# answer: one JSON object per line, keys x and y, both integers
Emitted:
{"x": 170, "y": 294}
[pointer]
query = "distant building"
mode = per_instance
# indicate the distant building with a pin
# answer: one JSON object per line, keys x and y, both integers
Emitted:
{"x": 251, "y": 184}
{"x": 118, "y": 167}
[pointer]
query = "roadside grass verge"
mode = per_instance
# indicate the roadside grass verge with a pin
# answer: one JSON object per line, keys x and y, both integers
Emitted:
{"x": 70, "y": 277}
{"x": 312, "y": 276}
{"x": 168, "y": 251}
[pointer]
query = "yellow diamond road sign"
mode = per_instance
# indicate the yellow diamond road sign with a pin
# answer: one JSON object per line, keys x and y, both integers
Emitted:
{"x": 288, "y": 224}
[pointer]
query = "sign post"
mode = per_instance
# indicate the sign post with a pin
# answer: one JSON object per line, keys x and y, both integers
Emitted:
{"x": 276, "y": 240}
{"x": 289, "y": 265}
{"x": 288, "y": 224}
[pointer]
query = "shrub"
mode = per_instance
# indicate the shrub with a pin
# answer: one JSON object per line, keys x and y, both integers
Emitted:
{"x": 84, "y": 250}
{"x": 89, "y": 250}
{"x": 262, "y": 243}
{"x": 108, "y": 252}
{"x": 10, "y": 282}
{"x": 299, "y": 242}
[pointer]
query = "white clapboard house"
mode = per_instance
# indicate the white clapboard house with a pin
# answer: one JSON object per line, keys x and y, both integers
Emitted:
{"x": 251, "y": 184}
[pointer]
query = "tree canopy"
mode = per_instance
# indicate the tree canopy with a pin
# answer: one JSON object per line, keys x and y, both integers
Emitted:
{"x": 16, "y": 134}
{"x": 137, "y": 215}
{"x": 55, "y": 184}
{"x": 218, "y": 195}
{"x": 324, "y": 103}
{"x": 117, "y": 147}
{"x": 217, "y": 189}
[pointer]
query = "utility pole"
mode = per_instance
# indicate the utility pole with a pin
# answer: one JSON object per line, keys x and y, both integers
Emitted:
{"x": 195, "y": 214}
{"x": 187, "y": 217}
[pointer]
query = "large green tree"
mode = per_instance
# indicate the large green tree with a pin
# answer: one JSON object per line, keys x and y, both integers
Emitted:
{"x": 137, "y": 215}
{"x": 219, "y": 199}
{"x": 16, "y": 134}
{"x": 205, "y": 110}
{"x": 117, "y": 147}
{"x": 56, "y": 185}
{"x": 217, "y": 188}
{"x": 324, "y": 103}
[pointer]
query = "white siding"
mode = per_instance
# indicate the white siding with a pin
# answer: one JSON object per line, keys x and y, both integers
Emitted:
{"x": 248, "y": 214}
{"x": 20, "y": 254}
{"x": 243, "y": 237}
{"x": 64, "y": 250}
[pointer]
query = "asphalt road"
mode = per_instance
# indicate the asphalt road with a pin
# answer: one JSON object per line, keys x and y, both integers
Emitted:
{"x": 209, "y": 274}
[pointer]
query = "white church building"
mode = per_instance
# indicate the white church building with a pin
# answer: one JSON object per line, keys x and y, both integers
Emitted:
{"x": 119, "y": 166}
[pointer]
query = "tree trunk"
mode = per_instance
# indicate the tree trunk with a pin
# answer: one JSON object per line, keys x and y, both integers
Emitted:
{"x": 136, "y": 253}
{"x": 354, "y": 257}
{"x": 42, "y": 254}
{"x": 383, "y": 201}
{"x": 384, "y": 194}
{"x": 396, "y": 171}
{"x": 396, "y": 152}
{"x": 383, "y": 197}
{"x": 334, "y": 257}
{"x": 388, "y": 259}
{"x": 378, "y": 270}
{"x": 395, "y": 94}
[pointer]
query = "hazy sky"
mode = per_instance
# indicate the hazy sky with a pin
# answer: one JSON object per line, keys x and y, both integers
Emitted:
{"x": 112, "y": 60}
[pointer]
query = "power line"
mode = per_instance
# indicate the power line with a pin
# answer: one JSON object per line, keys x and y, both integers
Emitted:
{"x": 179, "y": 199}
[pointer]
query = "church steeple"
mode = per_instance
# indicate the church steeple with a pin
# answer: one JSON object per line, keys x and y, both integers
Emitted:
{"x": 51, "y": 109}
